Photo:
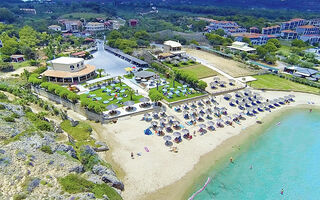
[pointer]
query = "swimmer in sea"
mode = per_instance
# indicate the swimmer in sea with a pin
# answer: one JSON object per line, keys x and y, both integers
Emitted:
{"x": 281, "y": 191}
{"x": 231, "y": 159}
{"x": 251, "y": 167}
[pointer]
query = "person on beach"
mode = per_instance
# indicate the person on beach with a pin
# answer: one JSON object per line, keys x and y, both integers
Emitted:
{"x": 281, "y": 191}
{"x": 231, "y": 160}
{"x": 310, "y": 110}
{"x": 132, "y": 155}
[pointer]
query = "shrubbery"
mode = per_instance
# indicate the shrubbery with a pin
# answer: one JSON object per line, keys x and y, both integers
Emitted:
{"x": 60, "y": 91}
{"x": 46, "y": 149}
{"x": 39, "y": 123}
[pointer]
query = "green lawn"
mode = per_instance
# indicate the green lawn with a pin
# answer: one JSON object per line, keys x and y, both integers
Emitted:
{"x": 269, "y": 81}
{"x": 78, "y": 15}
{"x": 106, "y": 96}
{"x": 200, "y": 71}
{"x": 181, "y": 64}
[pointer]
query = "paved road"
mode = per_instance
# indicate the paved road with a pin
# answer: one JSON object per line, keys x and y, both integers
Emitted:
{"x": 107, "y": 61}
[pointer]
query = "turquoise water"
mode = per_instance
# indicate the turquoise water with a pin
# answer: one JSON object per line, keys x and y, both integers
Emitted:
{"x": 285, "y": 156}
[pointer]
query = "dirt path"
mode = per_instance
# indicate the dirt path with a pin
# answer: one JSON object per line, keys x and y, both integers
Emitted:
{"x": 17, "y": 72}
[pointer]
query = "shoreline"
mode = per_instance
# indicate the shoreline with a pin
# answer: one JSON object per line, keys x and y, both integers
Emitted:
{"x": 160, "y": 174}
{"x": 222, "y": 153}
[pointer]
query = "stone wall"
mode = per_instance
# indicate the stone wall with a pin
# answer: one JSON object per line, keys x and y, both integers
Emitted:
{"x": 66, "y": 103}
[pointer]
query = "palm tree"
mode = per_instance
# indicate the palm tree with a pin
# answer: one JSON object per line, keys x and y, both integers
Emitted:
{"x": 100, "y": 72}
{"x": 131, "y": 93}
{"x": 119, "y": 78}
{"x": 173, "y": 77}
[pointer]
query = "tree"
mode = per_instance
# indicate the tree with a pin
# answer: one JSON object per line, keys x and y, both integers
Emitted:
{"x": 155, "y": 96}
{"x": 276, "y": 42}
{"x": 28, "y": 36}
{"x": 261, "y": 51}
{"x": 298, "y": 43}
{"x": 247, "y": 40}
{"x": 113, "y": 35}
{"x": 131, "y": 93}
{"x": 120, "y": 78}
{"x": 100, "y": 72}
{"x": 271, "y": 47}
{"x": 220, "y": 32}
{"x": 26, "y": 74}
{"x": 243, "y": 55}
{"x": 10, "y": 45}
{"x": 6, "y": 15}
{"x": 28, "y": 52}
{"x": 202, "y": 85}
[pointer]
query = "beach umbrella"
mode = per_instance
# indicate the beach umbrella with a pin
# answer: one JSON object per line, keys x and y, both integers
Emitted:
{"x": 171, "y": 117}
{"x": 227, "y": 96}
{"x": 166, "y": 86}
{"x": 216, "y": 78}
{"x": 176, "y": 134}
{"x": 184, "y": 91}
{"x": 105, "y": 102}
{"x": 113, "y": 94}
{"x": 144, "y": 99}
{"x": 170, "y": 93}
{"x": 154, "y": 123}
{"x": 128, "y": 103}
{"x": 112, "y": 107}
{"x": 167, "y": 137}
{"x": 185, "y": 86}
{"x": 177, "y": 92}
{"x": 171, "y": 88}
{"x": 235, "y": 115}
{"x": 185, "y": 131}
{"x": 163, "y": 120}
{"x": 191, "y": 89}
{"x": 179, "y": 87}
{"x": 118, "y": 88}
{"x": 108, "y": 90}
{"x": 113, "y": 84}
{"x": 98, "y": 98}
{"x": 146, "y": 115}
{"x": 202, "y": 126}
{"x": 87, "y": 92}
{"x": 159, "y": 128}
{"x": 210, "y": 123}
{"x": 119, "y": 98}
{"x": 103, "y": 87}
{"x": 122, "y": 91}
{"x": 93, "y": 95}
{"x": 164, "y": 90}
{"x": 232, "y": 81}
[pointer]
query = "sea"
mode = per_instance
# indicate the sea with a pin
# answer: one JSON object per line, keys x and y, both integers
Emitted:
{"x": 283, "y": 162}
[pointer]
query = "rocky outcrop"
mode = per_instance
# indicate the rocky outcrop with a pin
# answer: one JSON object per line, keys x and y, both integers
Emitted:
{"x": 108, "y": 176}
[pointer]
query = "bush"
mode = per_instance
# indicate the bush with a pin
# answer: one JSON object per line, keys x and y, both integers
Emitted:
{"x": 43, "y": 125}
{"x": 73, "y": 184}
{"x": 46, "y": 149}
{"x": 3, "y": 97}
{"x": 9, "y": 119}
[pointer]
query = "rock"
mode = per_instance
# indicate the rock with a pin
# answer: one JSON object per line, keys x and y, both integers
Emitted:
{"x": 2, "y": 151}
{"x": 102, "y": 170}
{"x": 50, "y": 162}
{"x": 102, "y": 146}
{"x": 77, "y": 169}
{"x": 31, "y": 164}
{"x": 14, "y": 132}
{"x": 14, "y": 108}
{"x": 88, "y": 150}
{"x": 58, "y": 129}
{"x": 67, "y": 149}
{"x": 94, "y": 178}
{"x": 33, "y": 184}
{"x": 114, "y": 181}
{"x": 91, "y": 196}
{"x": 74, "y": 122}
{"x": 21, "y": 155}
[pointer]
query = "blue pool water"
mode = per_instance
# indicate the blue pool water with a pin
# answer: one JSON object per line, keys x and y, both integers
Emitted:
{"x": 285, "y": 156}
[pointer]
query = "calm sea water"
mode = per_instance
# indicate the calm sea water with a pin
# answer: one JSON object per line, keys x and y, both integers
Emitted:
{"x": 285, "y": 156}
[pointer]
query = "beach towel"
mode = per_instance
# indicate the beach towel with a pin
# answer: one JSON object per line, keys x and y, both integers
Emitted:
{"x": 146, "y": 148}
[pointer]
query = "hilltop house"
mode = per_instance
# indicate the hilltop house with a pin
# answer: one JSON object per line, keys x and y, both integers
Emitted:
{"x": 293, "y": 24}
{"x": 307, "y": 30}
{"x": 95, "y": 26}
{"x": 229, "y": 27}
{"x": 54, "y": 28}
{"x": 17, "y": 58}
{"x": 71, "y": 25}
{"x": 254, "y": 30}
{"x": 289, "y": 34}
{"x": 272, "y": 30}
{"x": 67, "y": 70}
{"x": 312, "y": 39}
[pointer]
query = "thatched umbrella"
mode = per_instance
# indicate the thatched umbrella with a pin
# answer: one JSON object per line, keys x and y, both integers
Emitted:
{"x": 112, "y": 107}
{"x": 129, "y": 103}
{"x": 144, "y": 100}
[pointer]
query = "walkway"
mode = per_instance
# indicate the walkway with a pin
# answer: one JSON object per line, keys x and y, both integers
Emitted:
{"x": 135, "y": 87}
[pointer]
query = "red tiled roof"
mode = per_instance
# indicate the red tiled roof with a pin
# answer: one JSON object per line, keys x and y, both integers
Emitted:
{"x": 307, "y": 26}
{"x": 288, "y": 31}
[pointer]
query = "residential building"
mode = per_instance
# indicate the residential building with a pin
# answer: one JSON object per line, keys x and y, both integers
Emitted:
{"x": 301, "y": 72}
{"x": 255, "y": 38}
{"x": 254, "y": 30}
{"x": 307, "y": 30}
{"x": 289, "y": 34}
{"x": 28, "y": 11}
{"x": 229, "y": 27}
{"x": 241, "y": 46}
{"x": 271, "y": 30}
{"x": 293, "y": 24}
{"x": 172, "y": 47}
{"x": 133, "y": 22}
{"x": 68, "y": 70}
{"x": 314, "y": 22}
{"x": 17, "y": 58}
{"x": 312, "y": 39}
{"x": 95, "y": 26}
{"x": 71, "y": 25}
{"x": 54, "y": 28}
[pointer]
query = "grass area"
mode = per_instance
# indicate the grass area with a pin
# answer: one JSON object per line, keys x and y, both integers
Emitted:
{"x": 269, "y": 81}
{"x": 80, "y": 133}
{"x": 200, "y": 71}
{"x": 107, "y": 96}
{"x": 181, "y": 64}
{"x": 285, "y": 50}
{"x": 175, "y": 97}
{"x": 21, "y": 64}
{"x": 86, "y": 15}
{"x": 73, "y": 184}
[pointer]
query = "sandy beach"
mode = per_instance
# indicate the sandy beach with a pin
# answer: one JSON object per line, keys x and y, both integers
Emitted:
{"x": 161, "y": 174}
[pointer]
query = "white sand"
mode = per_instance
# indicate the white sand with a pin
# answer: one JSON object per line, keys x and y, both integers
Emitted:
{"x": 159, "y": 167}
